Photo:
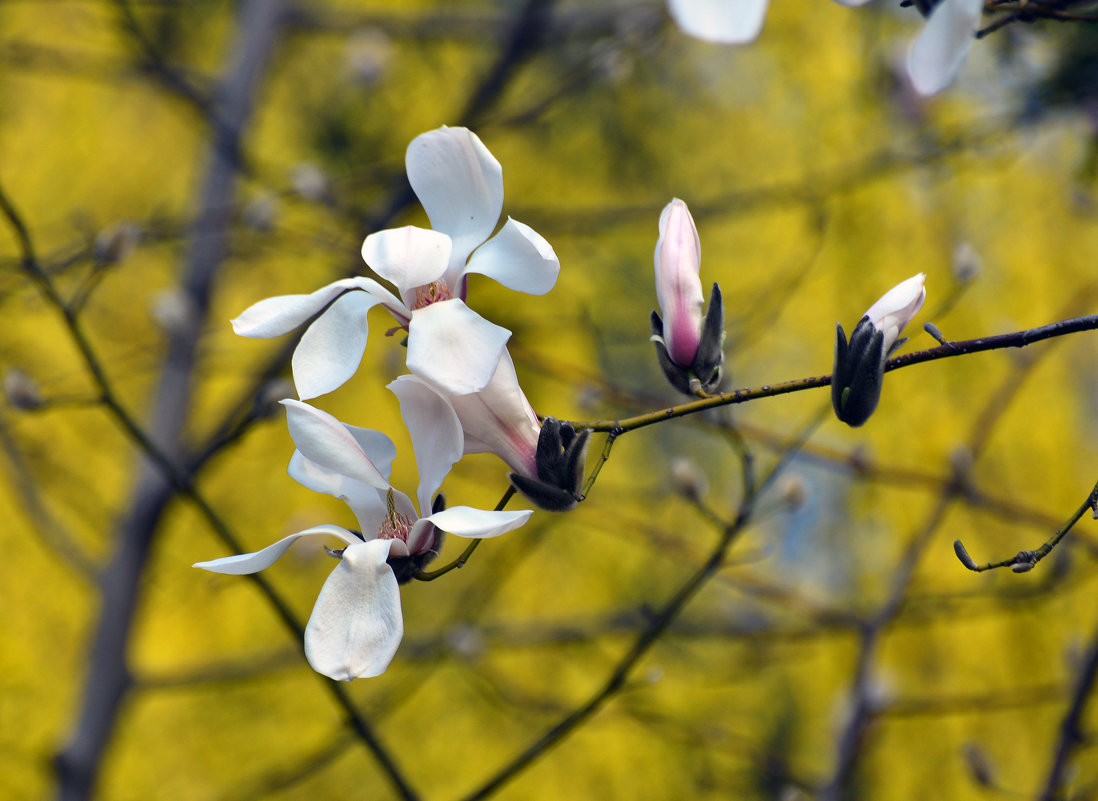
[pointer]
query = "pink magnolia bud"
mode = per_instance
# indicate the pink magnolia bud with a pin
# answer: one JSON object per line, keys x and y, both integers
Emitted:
{"x": 678, "y": 286}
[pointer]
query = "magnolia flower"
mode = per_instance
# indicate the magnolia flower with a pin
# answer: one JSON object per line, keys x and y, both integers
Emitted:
{"x": 688, "y": 347}
{"x": 719, "y": 21}
{"x": 725, "y": 21}
{"x": 546, "y": 458}
{"x": 939, "y": 52}
{"x": 859, "y": 366}
{"x": 460, "y": 186}
{"x": 356, "y": 624}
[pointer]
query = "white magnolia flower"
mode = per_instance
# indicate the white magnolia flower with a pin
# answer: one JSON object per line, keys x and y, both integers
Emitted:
{"x": 356, "y": 624}
{"x": 719, "y": 21}
{"x": 497, "y": 419}
{"x": 547, "y": 458}
{"x": 726, "y": 21}
{"x": 460, "y": 185}
{"x": 939, "y": 52}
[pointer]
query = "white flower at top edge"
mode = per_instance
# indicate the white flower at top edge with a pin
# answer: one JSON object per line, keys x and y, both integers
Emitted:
{"x": 939, "y": 52}
{"x": 356, "y": 624}
{"x": 460, "y": 185}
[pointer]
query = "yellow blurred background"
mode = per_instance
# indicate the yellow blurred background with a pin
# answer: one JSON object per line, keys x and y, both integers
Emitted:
{"x": 841, "y": 651}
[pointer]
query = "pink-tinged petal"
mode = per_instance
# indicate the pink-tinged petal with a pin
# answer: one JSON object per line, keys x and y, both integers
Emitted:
{"x": 939, "y": 52}
{"x": 356, "y": 625}
{"x": 322, "y": 439}
{"x": 244, "y": 563}
{"x": 719, "y": 21}
{"x": 409, "y": 257}
{"x": 464, "y": 521}
{"x": 678, "y": 286}
{"x": 276, "y": 316}
{"x": 460, "y": 185}
{"x": 436, "y": 434}
{"x": 331, "y": 348}
{"x": 499, "y": 419}
{"x": 368, "y": 503}
{"x": 519, "y": 258}
{"x": 453, "y": 347}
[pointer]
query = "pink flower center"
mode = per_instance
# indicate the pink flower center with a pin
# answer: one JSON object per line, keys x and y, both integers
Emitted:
{"x": 395, "y": 526}
{"x": 434, "y": 292}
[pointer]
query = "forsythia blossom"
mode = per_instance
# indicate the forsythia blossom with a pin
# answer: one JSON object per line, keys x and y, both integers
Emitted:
{"x": 460, "y": 185}
{"x": 356, "y": 624}
{"x": 859, "y": 365}
{"x": 689, "y": 348}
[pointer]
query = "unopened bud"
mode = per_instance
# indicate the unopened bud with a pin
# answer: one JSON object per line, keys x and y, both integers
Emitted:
{"x": 369, "y": 52}
{"x": 979, "y": 764}
{"x": 686, "y": 479}
{"x": 310, "y": 182}
{"x": 793, "y": 492}
{"x": 174, "y": 311}
{"x": 21, "y": 390}
{"x": 115, "y": 242}
{"x": 967, "y": 264}
{"x": 270, "y": 395}
{"x": 260, "y": 212}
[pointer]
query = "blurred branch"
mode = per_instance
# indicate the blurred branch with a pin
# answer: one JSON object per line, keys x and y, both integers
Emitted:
{"x": 864, "y": 701}
{"x": 660, "y": 621}
{"x": 1071, "y": 734}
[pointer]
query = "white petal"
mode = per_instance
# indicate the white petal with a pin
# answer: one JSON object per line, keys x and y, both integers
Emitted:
{"x": 852, "y": 3}
{"x": 279, "y": 315}
{"x": 331, "y": 348}
{"x": 368, "y": 503}
{"x": 453, "y": 347}
{"x": 409, "y": 257}
{"x": 466, "y": 521}
{"x": 436, "y": 433}
{"x": 938, "y": 53}
{"x": 244, "y": 563}
{"x": 326, "y": 441}
{"x": 519, "y": 258}
{"x": 498, "y": 419}
{"x": 460, "y": 185}
{"x": 720, "y": 21}
{"x": 356, "y": 625}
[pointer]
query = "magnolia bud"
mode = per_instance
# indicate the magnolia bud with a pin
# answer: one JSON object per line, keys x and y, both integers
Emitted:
{"x": 21, "y": 390}
{"x": 859, "y": 364}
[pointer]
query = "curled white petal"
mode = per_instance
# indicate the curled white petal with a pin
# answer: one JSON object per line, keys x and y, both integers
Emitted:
{"x": 368, "y": 503}
{"x": 244, "y": 563}
{"x": 519, "y": 258}
{"x": 460, "y": 185}
{"x": 409, "y": 257}
{"x": 719, "y": 21}
{"x": 331, "y": 348}
{"x": 453, "y": 347}
{"x": 465, "y": 521}
{"x": 325, "y": 440}
{"x": 279, "y": 315}
{"x": 938, "y": 53}
{"x": 435, "y": 431}
{"x": 356, "y": 625}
